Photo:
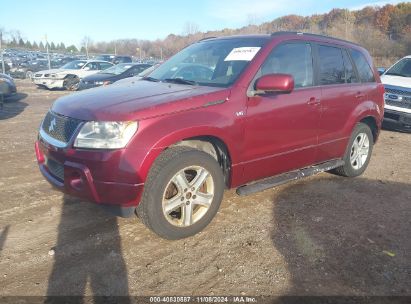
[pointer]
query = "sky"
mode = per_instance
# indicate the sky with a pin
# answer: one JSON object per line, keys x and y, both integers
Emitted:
{"x": 70, "y": 21}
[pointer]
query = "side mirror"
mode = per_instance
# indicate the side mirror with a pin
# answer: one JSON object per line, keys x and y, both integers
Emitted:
{"x": 381, "y": 71}
{"x": 86, "y": 69}
{"x": 279, "y": 83}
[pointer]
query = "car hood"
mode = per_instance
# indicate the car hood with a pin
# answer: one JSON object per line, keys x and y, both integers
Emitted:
{"x": 396, "y": 81}
{"x": 136, "y": 101}
{"x": 54, "y": 71}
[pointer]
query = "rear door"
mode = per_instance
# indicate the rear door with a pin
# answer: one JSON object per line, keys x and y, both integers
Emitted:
{"x": 340, "y": 93}
{"x": 281, "y": 129}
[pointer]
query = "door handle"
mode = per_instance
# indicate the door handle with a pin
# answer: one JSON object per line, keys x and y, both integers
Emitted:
{"x": 313, "y": 101}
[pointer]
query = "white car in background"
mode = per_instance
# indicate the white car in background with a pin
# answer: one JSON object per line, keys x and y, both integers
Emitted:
{"x": 397, "y": 83}
{"x": 70, "y": 74}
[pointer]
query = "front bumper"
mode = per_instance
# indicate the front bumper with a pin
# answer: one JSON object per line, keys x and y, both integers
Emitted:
{"x": 50, "y": 83}
{"x": 76, "y": 175}
{"x": 397, "y": 120}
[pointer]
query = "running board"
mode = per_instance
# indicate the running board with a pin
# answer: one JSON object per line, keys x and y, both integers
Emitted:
{"x": 287, "y": 177}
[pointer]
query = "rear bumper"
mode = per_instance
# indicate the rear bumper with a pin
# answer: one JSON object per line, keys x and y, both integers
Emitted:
{"x": 17, "y": 74}
{"x": 76, "y": 179}
{"x": 397, "y": 120}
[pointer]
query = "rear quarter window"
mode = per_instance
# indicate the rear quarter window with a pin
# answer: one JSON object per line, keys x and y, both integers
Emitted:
{"x": 332, "y": 69}
{"x": 363, "y": 68}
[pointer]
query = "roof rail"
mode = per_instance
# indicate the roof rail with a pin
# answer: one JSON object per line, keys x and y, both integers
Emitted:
{"x": 311, "y": 35}
{"x": 206, "y": 38}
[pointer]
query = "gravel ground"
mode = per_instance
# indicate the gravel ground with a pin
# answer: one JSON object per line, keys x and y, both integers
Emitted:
{"x": 324, "y": 235}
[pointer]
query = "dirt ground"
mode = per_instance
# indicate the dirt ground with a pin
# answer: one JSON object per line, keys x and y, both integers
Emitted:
{"x": 324, "y": 235}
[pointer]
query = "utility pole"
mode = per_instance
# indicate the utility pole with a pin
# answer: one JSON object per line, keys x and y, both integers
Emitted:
{"x": 161, "y": 54}
{"x": 87, "y": 47}
{"x": 3, "y": 69}
{"x": 48, "y": 54}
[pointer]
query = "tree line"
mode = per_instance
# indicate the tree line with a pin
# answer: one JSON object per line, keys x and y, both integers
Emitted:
{"x": 385, "y": 31}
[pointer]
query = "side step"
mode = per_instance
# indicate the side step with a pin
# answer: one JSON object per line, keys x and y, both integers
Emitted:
{"x": 287, "y": 177}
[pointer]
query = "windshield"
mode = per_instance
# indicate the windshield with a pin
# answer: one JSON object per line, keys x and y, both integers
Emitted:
{"x": 117, "y": 69}
{"x": 401, "y": 68}
{"x": 74, "y": 65}
{"x": 210, "y": 63}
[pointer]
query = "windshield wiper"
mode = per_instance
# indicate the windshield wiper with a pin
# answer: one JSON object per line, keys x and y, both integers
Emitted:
{"x": 148, "y": 78}
{"x": 180, "y": 81}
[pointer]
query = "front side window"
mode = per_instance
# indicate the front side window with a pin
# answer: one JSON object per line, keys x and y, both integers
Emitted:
{"x": 331, "y": 65}
{"x": 135, "y": 70}
{"x": 294, "y": 59}
{"x": 92, "y": 66}
{"x": 402, "y": 68}
{"x": 105, "y": 65}
{"x": 216, "y": 63}
{"x": 363, "y": 68}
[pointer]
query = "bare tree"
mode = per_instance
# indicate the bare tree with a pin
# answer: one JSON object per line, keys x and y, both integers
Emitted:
{"x": 86, "y": 43}
{"x": 190, "y": 28}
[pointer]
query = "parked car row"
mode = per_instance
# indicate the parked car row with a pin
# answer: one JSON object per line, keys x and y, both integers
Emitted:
{"x": 22, "y": 63}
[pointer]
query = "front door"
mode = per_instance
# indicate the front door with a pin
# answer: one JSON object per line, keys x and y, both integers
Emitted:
{"x": 281, "y": 129}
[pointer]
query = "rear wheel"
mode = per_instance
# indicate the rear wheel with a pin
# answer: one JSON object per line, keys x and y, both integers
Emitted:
{"x": 71, "y": 83}
{"x": 182, "y": 193}
{"x": 358, "y": 152}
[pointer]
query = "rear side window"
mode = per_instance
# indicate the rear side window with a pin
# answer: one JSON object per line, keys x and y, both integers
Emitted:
{"x": 363, "y": 68}
{"x": 104, "y": 65}
{"x": 350, "y": 75}
{"x": 331, "y": 65}
{"x": 294, "y": 59}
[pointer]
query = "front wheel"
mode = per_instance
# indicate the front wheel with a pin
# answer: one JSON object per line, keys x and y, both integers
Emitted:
{"x": 71, "y": 83}
{"x": 182, "y": 194}
{"x": 358, "y": 153}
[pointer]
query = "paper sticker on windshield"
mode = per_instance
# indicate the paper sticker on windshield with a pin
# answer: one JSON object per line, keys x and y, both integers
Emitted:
{"x": 242, "y": 53}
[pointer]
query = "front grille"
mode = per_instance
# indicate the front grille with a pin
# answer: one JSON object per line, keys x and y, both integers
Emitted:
{"x": 55, "y": 168}
{"x": 397, "y": 92}
{"x": 406, "y": 104}
{"x": 37, "y": 75}
{"x": 60, "y": 127}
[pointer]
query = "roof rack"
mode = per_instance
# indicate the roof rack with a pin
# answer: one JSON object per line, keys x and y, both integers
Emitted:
{"x": 311, "y": 35}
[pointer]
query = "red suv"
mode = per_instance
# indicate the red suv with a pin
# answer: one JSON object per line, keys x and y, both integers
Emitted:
{"x": 245, "y": 112}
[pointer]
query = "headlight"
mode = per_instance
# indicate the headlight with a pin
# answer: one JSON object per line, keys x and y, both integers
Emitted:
{"x": 105, "y": 135}
{"x": 106, "y": 82}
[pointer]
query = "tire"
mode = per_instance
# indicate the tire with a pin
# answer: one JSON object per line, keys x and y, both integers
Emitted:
{"x": 173, "y": 188}
{"x": 71, "y": 83}
{"x": 355, "y": 164}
